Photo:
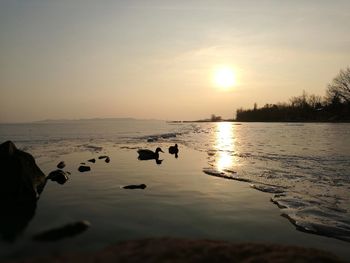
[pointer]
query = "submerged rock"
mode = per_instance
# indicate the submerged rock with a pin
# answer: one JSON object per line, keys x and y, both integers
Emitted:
{"x": 135, "y": 186}
{"x": 61, "y": 165}
{"x": 92, "y": 160}
{"x": 84, "y": 168}
{"x": 107, "y": 160}
{"x": 103, "y": 157}
{"x": 58, "y": 176}
{"x": 63, "y": 232}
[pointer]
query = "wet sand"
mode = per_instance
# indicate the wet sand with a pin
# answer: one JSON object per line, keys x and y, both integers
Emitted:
{"x": 179, "y": 201}
{"x": 154, "y": 250}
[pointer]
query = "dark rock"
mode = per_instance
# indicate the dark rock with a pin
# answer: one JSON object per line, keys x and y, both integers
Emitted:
{"x": 58, "y": 176}
{"x": 82, "y": 163}
{"x": 22, "y": 181}
{"x": 65, "y": 231}
{"x": 61, "y": 165}
{"x": 103, "y": 157}
{"x": 83, "y": 168}
{"x": 20, "y": 176}
{"x": 135, "y": 186}
{"x": 107, "y": 160}
{"x": 92, "y": 160}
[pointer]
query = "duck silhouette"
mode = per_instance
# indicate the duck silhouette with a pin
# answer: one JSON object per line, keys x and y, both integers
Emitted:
{"x": 174, "y": 150}
{"x": 145, "y": 154}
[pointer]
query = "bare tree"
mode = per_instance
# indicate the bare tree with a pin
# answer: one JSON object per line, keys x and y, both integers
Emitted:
{"x": 339, "y": 88}
{"x": 315, "y": 101}
{"x": 300, "y": 101}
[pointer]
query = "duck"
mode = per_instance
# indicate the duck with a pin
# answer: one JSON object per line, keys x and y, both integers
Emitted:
{"x": 145, "y": 154}
{"x": 174, "y": 150}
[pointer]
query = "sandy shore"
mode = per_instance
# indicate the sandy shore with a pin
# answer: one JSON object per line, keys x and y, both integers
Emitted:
{"x": 185, "y": 250}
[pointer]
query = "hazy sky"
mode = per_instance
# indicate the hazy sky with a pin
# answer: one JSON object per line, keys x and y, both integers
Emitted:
{"x": 154, "y": 59}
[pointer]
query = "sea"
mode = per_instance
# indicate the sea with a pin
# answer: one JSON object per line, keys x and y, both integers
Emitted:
{"x": 303, "y": 169}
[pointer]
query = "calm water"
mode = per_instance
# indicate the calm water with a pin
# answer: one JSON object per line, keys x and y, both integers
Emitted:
{"x": 303, "y": 168}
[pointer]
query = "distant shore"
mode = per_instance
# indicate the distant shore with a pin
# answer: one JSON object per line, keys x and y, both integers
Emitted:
{"x": 237, "y": 121}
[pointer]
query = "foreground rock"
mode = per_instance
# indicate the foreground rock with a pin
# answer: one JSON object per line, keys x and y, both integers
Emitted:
{"x": 22, "y": 181}
{"x": 21, "y": 178}
{"x": 63, "y": 232}
{"x": 183, "y": 250}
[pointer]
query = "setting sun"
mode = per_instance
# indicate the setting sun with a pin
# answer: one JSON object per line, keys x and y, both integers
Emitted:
{"x": 224, "y": 77}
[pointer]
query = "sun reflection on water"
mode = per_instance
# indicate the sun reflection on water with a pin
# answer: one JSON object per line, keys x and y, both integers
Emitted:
{"x": 224, "y": 145}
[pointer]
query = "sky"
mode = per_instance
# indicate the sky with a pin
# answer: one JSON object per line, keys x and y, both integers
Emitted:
{"x": 73, "y": 59}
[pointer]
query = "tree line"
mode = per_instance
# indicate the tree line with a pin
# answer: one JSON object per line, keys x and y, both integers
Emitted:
{"x": 333, "y": 107}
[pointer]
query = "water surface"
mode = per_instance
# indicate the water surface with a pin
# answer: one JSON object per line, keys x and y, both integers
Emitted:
{"x": 303, "y": 168}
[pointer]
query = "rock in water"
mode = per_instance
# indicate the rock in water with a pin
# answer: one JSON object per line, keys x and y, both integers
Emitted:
{"x": 92, "y": 160}
{"x": 58, "y": 176}
{"x": 22, "y": 181}
{"x": 83, "y": 168}
{"x": 61, "y": 165}
{"x": 63, "y": 232}
{"x": 107, "y": 160}
{"x": 103, "y": 157}
{"x": 20, "y": 176}
{"x": 135, "y": 186}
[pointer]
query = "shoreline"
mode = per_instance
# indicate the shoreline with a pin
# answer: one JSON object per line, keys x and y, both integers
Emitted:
{"x": 167, "y": 249}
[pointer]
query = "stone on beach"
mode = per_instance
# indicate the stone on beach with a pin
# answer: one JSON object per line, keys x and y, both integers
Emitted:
{"x": 92, "y": 160}
{"x": 84, "y": 168}
{"x": 103, "y": 157}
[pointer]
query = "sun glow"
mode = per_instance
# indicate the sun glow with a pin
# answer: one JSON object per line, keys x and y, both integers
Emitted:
{"x": 225, "y": 145}
{"x": 224, "y": 77}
